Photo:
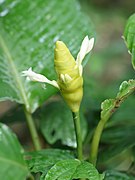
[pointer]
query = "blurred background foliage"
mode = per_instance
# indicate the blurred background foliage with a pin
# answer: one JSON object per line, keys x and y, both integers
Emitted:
{"x": 109, "y": 65}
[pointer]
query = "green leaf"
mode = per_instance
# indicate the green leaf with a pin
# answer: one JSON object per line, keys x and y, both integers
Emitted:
{"x": 129, "y": 35}
{"x": 73, "y": 169}
{"x": 115, "y": 175}
{"x": 126, "y": 88}
{"x": 106, "y": 106}
{"x": 57, "y": 124}
{"x": 12, "y": 164}
{"x": 42, "y": 161}
{"x": 110, "y": 105}
{"x": 28, "y": 32}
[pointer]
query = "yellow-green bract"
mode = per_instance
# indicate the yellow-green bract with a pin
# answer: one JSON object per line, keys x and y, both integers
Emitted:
{"x": 69, "y": 79}
{"x": 69, "y": 71}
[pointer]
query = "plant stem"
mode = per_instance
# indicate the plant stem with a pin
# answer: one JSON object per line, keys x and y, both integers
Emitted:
{"x": 115, "y": 104}
{"x": 95, "y": 141}
{"x": 76, "y": 119}
{"x": 33, "y": 131}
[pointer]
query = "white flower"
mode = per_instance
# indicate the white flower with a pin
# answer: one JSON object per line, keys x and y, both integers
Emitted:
{"x": 31, "y": 75}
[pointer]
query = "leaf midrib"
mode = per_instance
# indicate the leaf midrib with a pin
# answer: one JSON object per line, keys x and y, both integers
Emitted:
{"x": 15, "y": 73}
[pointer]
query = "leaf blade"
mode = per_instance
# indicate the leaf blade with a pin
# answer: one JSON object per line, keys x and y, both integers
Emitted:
{"x": 11, "y": 156}
{"x": 129, "y": 35}
{"x": 70, "y": 169}
{"x": 43, "y": 160}
{"x": 64, "y": 128}
{"x": 30, "y": 41}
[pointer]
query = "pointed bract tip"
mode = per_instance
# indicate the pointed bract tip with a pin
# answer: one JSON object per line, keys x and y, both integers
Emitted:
{"x": 60, "y": 45}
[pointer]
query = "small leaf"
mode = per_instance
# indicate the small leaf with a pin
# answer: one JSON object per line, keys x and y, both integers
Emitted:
{"x": 28, "y": 33}
{"x": 42, "y": 161}
{"x": 12, "y": 164}
{"x": 106, "y": 106}
{"x": 126, "y": 88}
{"x": 109, "y": 105}
{"x": 129, "y": 35}
{"x": 72, "y": 169}
{"x": 115, "y": 175}
{"x": 58, "y": 125}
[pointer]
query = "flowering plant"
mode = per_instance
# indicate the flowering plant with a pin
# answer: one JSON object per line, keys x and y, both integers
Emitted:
{"x": 67, "y": 142}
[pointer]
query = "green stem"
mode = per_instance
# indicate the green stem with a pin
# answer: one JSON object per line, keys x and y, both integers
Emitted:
{"x": 76, "y": 119}
{"x": 95, "y": 141}
{"x": 113, "y": 106}
{"x": 21, "y": 91}
{"x": 33, "y": 131}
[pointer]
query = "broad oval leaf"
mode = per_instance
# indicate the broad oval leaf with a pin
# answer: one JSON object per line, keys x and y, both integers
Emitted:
{"x": 57, "y": 124}
{"x": 12, "y": 164}
{"x": 129, "y": 35}
{"x": 28, "y": 32}
{"x": 42, "y": 161}
{"x": 73, "y": 169}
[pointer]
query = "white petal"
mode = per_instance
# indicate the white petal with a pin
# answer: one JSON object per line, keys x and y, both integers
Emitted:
{"x": 83, "y": 48}
{"x": 80, "y": 70}
{"x": 34, "y": 76}
{"x": 90, "y": 45}
{"x": 31, "y": 75}
{"x": 86, "y": 47}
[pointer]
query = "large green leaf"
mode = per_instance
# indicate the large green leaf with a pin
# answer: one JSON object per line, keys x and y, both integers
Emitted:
{"x": 12, "y": 164}
{"x": 42, "y": 161}
{"x": 57, "y": 124}
{"x": 129, "y": 35}
{"x": 73, "y": 169}
{"x": 28, "y": 32}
